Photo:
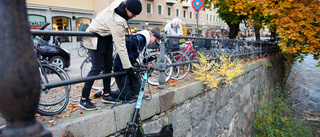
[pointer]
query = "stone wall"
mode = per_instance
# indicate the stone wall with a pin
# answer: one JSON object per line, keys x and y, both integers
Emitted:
{"x": 226, "y": 111}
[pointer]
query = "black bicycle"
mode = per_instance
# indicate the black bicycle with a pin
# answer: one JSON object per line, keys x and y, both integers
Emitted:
{"x": 82, "y": 51}
{"x": 54, "y": 100}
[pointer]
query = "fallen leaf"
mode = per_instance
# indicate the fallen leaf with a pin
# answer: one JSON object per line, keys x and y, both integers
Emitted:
{"x": 51, "y": 124}
{"x": 50, "y": 121}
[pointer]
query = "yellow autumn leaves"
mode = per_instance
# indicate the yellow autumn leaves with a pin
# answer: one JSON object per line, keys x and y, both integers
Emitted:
{"x": 223, "y": 70}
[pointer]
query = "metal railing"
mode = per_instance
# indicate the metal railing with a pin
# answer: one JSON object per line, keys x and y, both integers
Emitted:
{"x": 161, "y": 78}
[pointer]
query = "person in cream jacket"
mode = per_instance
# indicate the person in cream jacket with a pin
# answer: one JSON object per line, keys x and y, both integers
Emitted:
{"x": 112, "y": 20}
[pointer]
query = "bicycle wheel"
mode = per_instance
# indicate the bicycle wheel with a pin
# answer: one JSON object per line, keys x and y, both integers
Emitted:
{"x": 62, "y": 72}
{"x": 82, "y": 51}
{"x": 54, "y": 100}
{"x": 86, "y": 67}
{"x": 153, "y": 76}
{"x": 180, "y": 71}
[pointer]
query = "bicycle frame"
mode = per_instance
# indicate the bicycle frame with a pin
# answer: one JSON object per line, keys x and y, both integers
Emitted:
{"x": 134, "y": 128}
{"x": 168, "y": 52}
{"x": 188, "y": 48}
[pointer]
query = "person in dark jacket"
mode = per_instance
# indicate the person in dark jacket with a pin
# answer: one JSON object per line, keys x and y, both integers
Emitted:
{"x": 46, "y": 38}
{"x": 112, "y": 19}
{"x": 136, "y": 47}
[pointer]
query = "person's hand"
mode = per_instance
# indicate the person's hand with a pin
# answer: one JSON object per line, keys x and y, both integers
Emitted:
{"x": 130, "y": 72}
{"x": 149, "y": 59}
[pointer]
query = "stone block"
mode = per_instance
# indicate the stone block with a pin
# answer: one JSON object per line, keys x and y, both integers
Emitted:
{"x": 166, "y": 101}
{"x": 123, "y": 115}
{"x": 88, "y": 125}
{"x": 187, "y": 92}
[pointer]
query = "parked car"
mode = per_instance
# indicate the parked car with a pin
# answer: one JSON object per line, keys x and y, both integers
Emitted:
{"x": 55, "y": 55}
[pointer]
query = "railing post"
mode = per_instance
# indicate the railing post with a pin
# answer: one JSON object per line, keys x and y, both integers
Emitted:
{"x": 162, "y": 78}
{"x": 260, "y": 50}
{"x": 237, "y": 47}
{"x": 19, "y": 75}
{"x": 220, "y": 46}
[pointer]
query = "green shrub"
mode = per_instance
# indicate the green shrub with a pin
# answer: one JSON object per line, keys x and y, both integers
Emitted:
{"x": 274, "y": 119}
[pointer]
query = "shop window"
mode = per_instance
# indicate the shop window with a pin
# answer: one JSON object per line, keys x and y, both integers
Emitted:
{"x": 82, "y": 25}
{"x": 62, "y": 24}
{"x": 36, "y": 21}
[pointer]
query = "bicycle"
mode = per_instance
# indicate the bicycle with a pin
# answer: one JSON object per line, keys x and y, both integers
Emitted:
{"x": 52, "y": 101}
{"x": 189, "y": 50}
{"x": 82, "y": 51}
{"x": 85, "y": 68}
{"x": 153, "y": 76}
{"x": 179, "y": 71}
{"x": 134, "y": 128}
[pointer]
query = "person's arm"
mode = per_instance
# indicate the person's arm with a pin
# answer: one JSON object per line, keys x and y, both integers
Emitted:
{"x": 167, "y": 29}
{"x": 180, "y": 31}
{"x": 118, "y": 35}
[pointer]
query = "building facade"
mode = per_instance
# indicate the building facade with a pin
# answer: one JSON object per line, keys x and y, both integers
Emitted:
{"x": 76, "y": 15}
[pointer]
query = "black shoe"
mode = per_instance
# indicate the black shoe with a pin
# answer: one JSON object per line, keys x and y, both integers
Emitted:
{"x": 87, "y": 105}
{"x": 110, "y": 99}
{"x": 98, "y": 94}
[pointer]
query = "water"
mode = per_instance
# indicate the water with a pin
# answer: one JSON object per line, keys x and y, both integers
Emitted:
{"x": 304, "y": 81}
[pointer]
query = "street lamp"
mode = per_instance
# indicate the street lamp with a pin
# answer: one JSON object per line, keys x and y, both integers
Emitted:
{"x": 146, "y": 24}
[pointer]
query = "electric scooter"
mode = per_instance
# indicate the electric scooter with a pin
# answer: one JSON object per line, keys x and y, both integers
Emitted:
{"x": 134, "y": 128}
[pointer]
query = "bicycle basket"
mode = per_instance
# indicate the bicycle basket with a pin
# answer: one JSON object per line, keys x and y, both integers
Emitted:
{"x": 173, "y": 44}
{"x": 198, "y": 43}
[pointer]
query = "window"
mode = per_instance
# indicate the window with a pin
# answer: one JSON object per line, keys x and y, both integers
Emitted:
{"x": 201, "y": 16}
{"x": 177, "y": 12}
{"x": 191, "y": 14}
{"x": 62, "y": 23}
{"x": 184, "y": 13}
{"x": 210, "y": 18}
{"x": 160, "y": 9}
{"x": 82, "y": 24}
{"x": 36, "y": 21}
{"x": 149, "y": 7}
{"x": 207, "y": 18}
{"x": 169, "y": 11}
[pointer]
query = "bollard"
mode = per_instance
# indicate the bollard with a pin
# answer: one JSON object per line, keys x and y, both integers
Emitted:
{"x": 19, "y": 75}
{"x": 162, "y": 77}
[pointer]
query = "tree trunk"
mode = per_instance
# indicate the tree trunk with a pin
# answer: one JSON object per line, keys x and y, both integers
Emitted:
{"x": 273, "y": 36}
{"x": 234, "y": 29}
{"x": 257, "y": 33}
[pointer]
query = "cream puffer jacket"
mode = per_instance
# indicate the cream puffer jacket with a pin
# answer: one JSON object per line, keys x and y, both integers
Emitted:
{"x": 106, "y": 22}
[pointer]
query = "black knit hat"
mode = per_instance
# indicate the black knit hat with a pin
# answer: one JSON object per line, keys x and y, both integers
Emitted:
{"x": 134, "y": 6}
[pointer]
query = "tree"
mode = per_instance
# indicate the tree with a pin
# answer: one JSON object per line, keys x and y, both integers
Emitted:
{"x": 297, "y": 24}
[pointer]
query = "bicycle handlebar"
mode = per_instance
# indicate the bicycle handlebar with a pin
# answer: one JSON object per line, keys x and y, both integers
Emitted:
{"x": 44, "y": 26}
{"x": 149, "y": 67}
{"x": 155, "y": 68}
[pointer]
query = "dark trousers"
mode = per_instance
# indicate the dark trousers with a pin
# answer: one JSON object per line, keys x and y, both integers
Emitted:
{"x": 101, "y": 60}
{"x": 130, "y": 86}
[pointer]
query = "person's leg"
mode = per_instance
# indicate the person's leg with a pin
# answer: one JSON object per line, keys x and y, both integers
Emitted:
{"x": 135, "y": 85}
{"x": 97, "y": 65}
{"x": 108, "y": 63}
{"x": 123, "y": 85}
{"x": 97, "y": 60}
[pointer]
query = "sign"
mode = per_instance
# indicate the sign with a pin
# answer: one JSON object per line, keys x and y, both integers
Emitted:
{"x": 197, "y": 4}
{"x": 35, "y": 21}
